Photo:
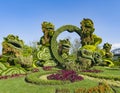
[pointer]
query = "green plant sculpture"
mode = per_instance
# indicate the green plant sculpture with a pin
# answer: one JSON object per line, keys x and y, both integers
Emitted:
{"x": 107, "y": 58}
{"x": 44, "y": 55}
{"x": 64, "y": 47}
{"x": 89, "y": 54}
{"x": 87, "y": 29}
{"x": 52, "y": 53}
{"x": 54, "y": 44}
{"x": 48, "y": 30}
{"x": 15, "y": 52}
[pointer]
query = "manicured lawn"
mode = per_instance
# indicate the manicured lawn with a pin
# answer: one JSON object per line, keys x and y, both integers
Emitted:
{"x": 108, "y": 73}
{"x": 19, "y": 85}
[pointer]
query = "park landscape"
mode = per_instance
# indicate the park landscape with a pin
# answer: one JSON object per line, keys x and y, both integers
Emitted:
{"x": 51, "y": 68}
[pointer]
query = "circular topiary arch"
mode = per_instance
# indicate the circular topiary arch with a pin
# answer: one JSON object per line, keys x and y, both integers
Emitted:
{"x": 54, "y": 44}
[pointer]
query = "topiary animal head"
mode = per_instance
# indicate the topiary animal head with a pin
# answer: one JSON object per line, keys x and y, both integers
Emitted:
{"x": 107, "y": 47}
{"x": 12, "y": 45}
{"x": 87, "y": 23}
{"x": 64, "y": 46}
{"x": 47, "y": 26}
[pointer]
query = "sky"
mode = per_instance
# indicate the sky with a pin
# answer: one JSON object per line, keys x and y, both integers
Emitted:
{"x": 24, "y": 18}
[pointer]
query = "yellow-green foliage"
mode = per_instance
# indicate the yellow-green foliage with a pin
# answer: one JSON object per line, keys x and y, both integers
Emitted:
{"x": 102, "y": 88}
{"x": 13, "y": 70}
{"x": 25, "y": 61}
{"x": 9, "y": 70}
{"x": 108, "y": 62}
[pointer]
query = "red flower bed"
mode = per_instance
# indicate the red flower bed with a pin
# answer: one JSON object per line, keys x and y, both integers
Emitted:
{"x": 47, "y": 68}
{"x": 92, "y": 71}
{"x": 11, "y": 76}
{"x": 65, "y": 75}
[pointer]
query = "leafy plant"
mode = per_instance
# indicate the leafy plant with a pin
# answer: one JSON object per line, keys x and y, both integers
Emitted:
{"x": 65, "y": 75}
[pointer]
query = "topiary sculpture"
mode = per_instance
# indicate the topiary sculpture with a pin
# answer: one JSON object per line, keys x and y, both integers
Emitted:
{"x": 44, "y": 55}
{"x": 64, "y": 47}
{"x": 48, "y": 30}
{"x": 15, "y": 52}
{"x": 54, "y": 44}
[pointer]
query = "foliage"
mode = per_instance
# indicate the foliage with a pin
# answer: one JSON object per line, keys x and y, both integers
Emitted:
{"x": 101, "y": 88}
{"x": 64, "y": 47}
{"x": 25, "y": 62}
{"x": 107, "y": 48}
{"x": 87, "y": 29}
{"x": 92, "y": 71}
{"x": 15, "y": 52}
{"x": 65, "y": 75}
{"x": 12, "y": 45}
{"x": 27, "y": 51}
{"x": 13, "y": 70}
{"x": 45, "y": 57}
{"x": 2, "y": 66}
{"x": 9, "y": 70}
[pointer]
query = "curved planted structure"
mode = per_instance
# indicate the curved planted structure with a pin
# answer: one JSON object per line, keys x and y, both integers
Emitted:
{"x": 54, "y": 44}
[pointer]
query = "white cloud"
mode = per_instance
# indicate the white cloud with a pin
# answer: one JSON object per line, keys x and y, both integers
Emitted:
{"x": 116, "y": 45}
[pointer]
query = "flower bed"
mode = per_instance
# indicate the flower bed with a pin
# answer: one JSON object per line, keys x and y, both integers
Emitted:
{"x": 92, "y": 71}
{"x": 65, "y": 75}
{"x": 35, "y": 78}
{"x": 11, "y": 76}
{"x": 47, "y": 68}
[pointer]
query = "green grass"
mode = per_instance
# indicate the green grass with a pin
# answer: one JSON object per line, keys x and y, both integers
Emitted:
{"x": 108, "y": 73}
{"x": 18, "y": 85}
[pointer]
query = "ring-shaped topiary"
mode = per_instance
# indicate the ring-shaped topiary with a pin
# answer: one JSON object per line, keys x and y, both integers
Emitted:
{"x": 54, "y": 44}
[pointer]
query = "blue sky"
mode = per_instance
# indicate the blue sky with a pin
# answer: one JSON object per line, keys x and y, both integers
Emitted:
{"x": 24, "y": 17}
